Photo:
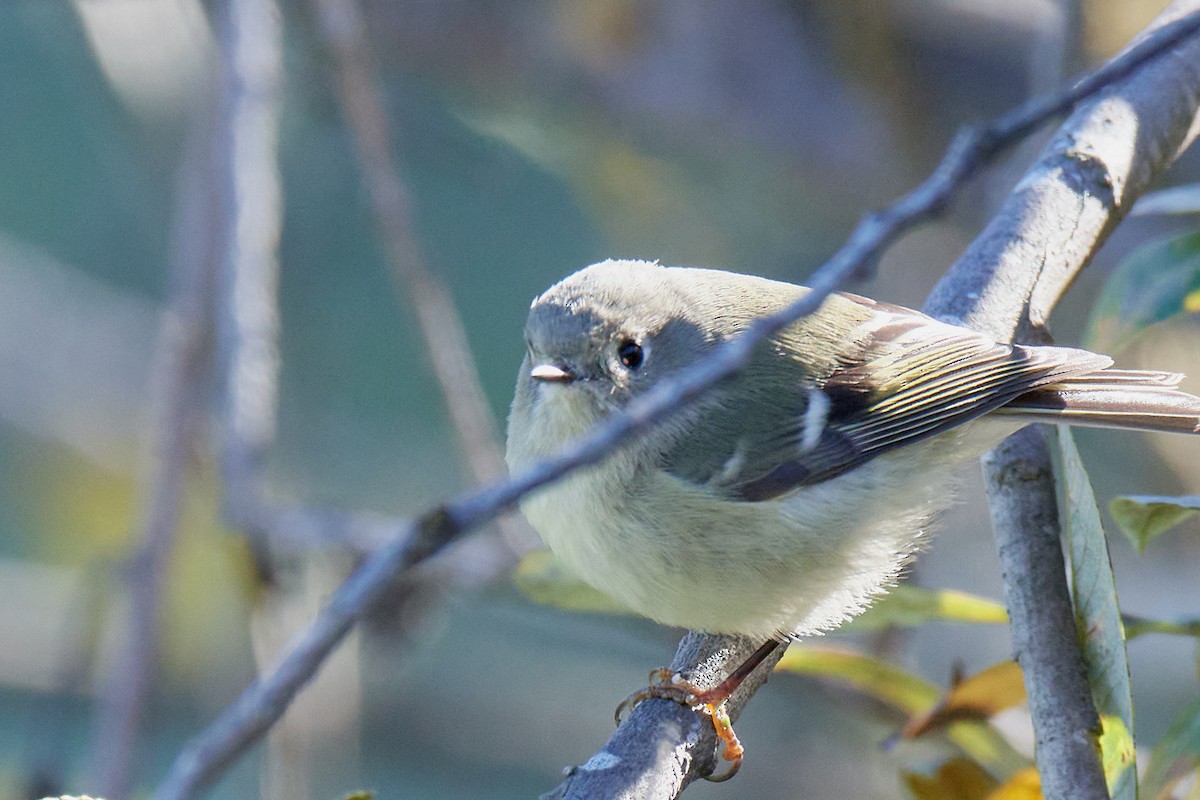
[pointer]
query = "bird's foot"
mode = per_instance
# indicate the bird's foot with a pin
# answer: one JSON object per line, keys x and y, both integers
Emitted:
{"x": 711, "y": 702}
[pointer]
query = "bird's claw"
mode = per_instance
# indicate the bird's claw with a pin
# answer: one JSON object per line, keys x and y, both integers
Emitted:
{"x": 671, "y": 686}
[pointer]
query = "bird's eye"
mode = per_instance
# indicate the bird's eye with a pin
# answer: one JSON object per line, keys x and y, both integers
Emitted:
{"x": 631, "y": 354}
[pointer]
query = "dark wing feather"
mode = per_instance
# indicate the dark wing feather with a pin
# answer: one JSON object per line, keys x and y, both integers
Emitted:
{"x": 783, "y": 436}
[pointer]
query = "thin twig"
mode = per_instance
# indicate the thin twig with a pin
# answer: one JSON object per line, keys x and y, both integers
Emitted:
{"x": 178, "y": 378}
{"x": 243, "y": 722}
{"x": 250, "y": 325}
{"x": 246, "y": 166}
{"x": 251, "y": 47}
{"x": 442, "y": 329}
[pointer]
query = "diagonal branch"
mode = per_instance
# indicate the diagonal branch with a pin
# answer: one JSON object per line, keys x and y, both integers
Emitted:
{"x": 254, "y": 712}
{"x": 441, "y": 326}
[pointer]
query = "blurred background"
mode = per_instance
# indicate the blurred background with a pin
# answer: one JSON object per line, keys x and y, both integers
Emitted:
{"x": 533, "y": 137}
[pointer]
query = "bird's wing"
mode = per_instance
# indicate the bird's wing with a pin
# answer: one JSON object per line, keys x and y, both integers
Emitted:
{"x": 904, "y": 377}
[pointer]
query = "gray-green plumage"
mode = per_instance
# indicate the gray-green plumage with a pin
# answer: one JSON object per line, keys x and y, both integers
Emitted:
{"x": 785, "y": 498}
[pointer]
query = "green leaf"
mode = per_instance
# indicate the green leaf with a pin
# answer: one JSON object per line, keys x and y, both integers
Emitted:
{"x": 1176, "y": 754}
{"x": 544, "y": 579}
{"x": 1097, "y": 618}
{"x": 1143, "y": 517}
{"x": 1153, "y": 284}
{"x": 910, "y": 606}
{"x": 362, "y": 794}
{"x": 905, "y": 692}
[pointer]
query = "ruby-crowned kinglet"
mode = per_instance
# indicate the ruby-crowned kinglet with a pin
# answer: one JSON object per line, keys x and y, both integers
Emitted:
{"x": 783, "y": 500}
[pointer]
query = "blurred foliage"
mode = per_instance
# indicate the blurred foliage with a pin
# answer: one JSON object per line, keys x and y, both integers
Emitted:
{"x": 1174, "y": 200}
{"x": 544, "y": 579}
{"x": 955, "y": 779}
{"x": 1154, "y": 284}
{"x": 1176, "y": 755}
{"x": 909, "y": 694}
{"x": 980, "y": 697}
{"x": 910, "y": 605}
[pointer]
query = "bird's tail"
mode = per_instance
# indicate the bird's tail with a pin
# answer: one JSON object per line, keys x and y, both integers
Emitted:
{"x": 1112, "y": 398}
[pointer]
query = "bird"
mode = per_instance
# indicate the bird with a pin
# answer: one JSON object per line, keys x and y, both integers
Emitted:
{"x": 781, "y": 502}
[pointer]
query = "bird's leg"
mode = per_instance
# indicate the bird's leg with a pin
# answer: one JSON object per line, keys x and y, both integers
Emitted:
{"x": 673, "y": 686}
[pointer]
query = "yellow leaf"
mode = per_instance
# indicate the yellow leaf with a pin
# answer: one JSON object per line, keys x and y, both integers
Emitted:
{"x": 913, "y": 605}
{"x": 871, "y": 676}
{"x": 1023, "y": 784}
{"x": 1116, "y": 748}
{"x": 979, "y": 697}
{"x": 956, "y": 779}
{"x": 905, "y": 692}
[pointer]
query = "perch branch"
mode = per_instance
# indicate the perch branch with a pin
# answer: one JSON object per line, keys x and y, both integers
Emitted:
{"x": 247, "y": 718}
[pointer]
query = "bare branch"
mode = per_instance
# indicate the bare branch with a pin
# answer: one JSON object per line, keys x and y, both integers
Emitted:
{"x": 1025, "y": 517}
{"x": 251, "y": 47}
{"x": 241, "y": 157}
{"x": 178, "y": 378}
{"x": 240, "y": 725}
{"x": 441, "y": 326}
{"x": 1006, "y": 284}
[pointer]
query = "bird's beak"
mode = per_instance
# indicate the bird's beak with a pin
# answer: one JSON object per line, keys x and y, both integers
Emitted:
{"x": 551, "y": 374}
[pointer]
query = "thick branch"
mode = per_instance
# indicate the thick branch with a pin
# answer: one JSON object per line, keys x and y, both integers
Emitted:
{"x": 1025, "y": 517}
{"x": 1086, "y": 180}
